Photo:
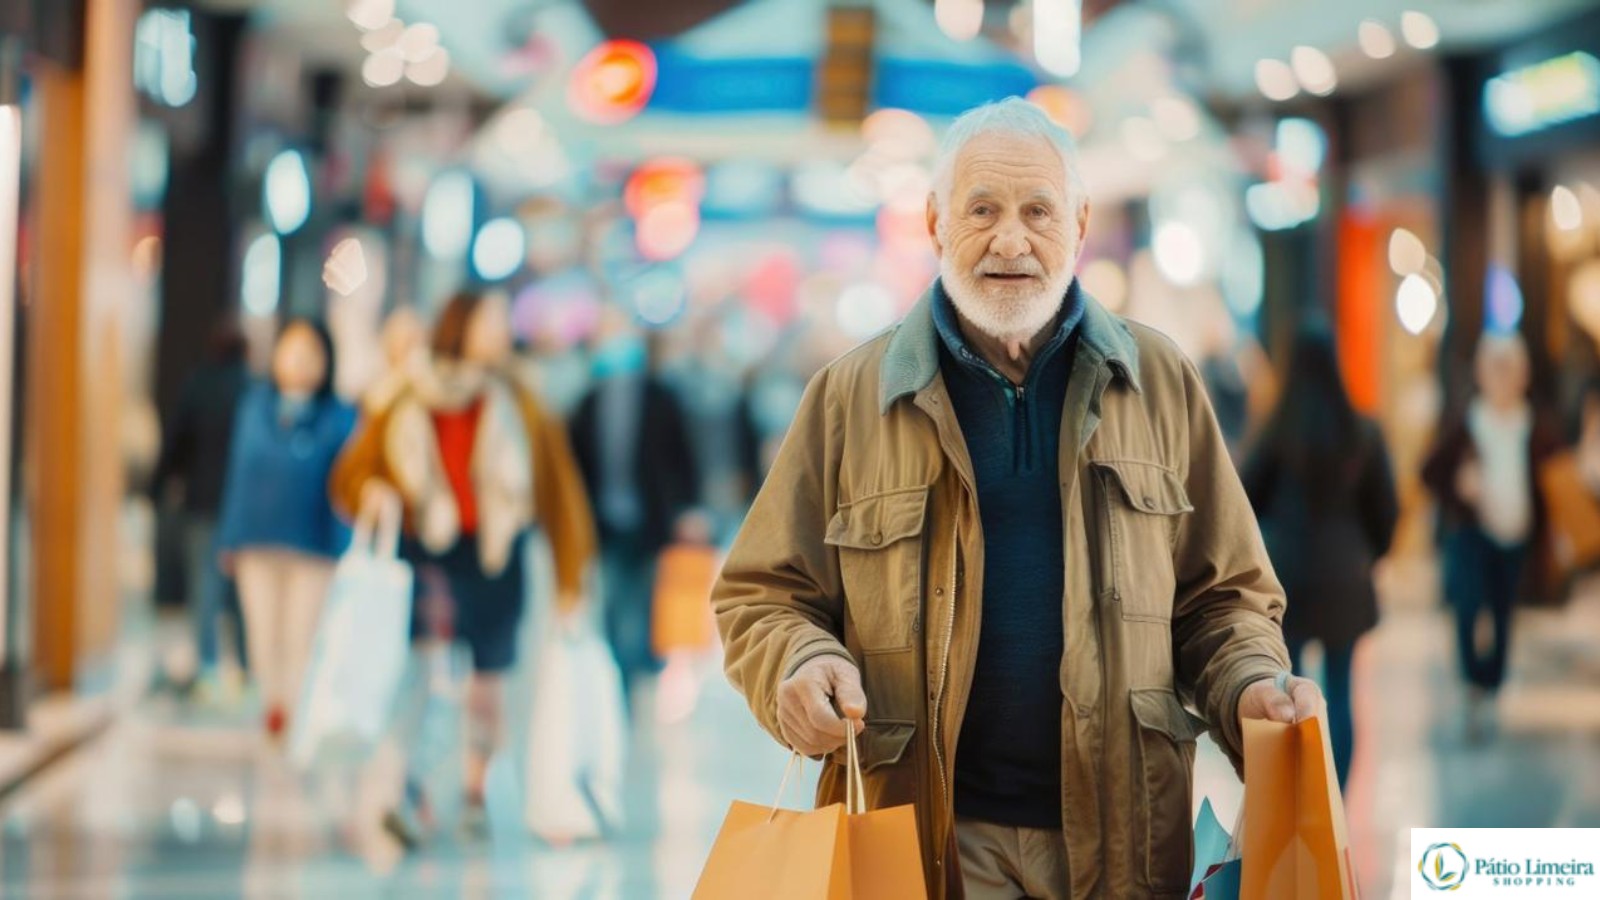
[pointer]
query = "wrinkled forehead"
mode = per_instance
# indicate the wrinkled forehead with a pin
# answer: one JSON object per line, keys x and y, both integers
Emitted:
{"x": 1003, "y": 165}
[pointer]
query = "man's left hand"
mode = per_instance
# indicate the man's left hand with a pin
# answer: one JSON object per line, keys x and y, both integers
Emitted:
{"x": 1300, "y": 698}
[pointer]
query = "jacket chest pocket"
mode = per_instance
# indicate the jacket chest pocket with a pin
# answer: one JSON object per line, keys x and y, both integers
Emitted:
{"x": 879, "y": 539}
{"x": 1140, "y": 505}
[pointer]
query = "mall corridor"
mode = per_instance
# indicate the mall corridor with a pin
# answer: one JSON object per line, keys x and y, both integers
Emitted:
{"x": 170, "y": 804}
{"x": 405, "y": 404}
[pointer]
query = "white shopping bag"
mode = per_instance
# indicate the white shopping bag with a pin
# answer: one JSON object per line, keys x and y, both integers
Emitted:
{"x": 359, "y": 659}
{"x": 577, "y": 735}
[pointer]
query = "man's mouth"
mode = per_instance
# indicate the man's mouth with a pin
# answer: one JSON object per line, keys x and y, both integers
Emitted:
{"x": 1007, "y": 276}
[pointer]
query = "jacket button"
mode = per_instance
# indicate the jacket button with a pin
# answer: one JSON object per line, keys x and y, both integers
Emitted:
{"x": 1149, "y": 503}
{"x": 938, "y": 591}
{"x": 877, "y": 539}
{"x": 1085, "y": 712}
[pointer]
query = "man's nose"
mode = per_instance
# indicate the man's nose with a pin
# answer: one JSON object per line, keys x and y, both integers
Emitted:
{"x": 1010, "y": 242}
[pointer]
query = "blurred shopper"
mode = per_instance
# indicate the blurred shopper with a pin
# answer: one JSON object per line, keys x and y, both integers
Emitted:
{"x": 632, "y": 445}
{"x": 478, "y": 463}
{"x": 1320, "y": 481}
{"x": 1482, "y": 469}
{"x": 405, "y": 341}
{"x": 194, "y": 452}
{"x": 278, "y": 533}
{"x": 925, "y": 504}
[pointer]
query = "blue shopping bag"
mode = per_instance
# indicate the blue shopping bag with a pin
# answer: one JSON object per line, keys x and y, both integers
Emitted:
{"x": 1221, "y": 883}
{"x": 359, "y": 658}
{"x": 1211, "y": 842}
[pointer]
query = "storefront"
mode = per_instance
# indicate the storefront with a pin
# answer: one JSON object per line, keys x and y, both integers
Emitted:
{"x": 1538, "y": 135}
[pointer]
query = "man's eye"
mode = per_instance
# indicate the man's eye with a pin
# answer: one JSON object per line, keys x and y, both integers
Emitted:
{"x": 982, "y": 211}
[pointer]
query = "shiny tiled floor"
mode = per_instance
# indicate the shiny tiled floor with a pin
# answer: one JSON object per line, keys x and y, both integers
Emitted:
{"x": 177, "y": 804}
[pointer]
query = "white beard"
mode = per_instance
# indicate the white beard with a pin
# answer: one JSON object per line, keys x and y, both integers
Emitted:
{"x": 1006, "y": 320}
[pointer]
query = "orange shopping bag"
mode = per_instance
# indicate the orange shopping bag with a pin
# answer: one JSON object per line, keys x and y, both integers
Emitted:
{"x": 1573, "y": 512}
{"x": 833, "y": 853}
{"x": 681, "y": 618}
{"x": 1295, "y": 842}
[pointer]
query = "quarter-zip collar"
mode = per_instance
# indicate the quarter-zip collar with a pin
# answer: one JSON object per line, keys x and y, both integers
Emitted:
{"x": 946, "y": 322}
{"x": 1020, "y": 401}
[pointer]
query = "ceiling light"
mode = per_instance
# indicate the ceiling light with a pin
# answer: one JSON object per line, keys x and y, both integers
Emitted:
{"x": 1565, "y": 210}
{"x": 383, "y": 69}
{"x": 1179, "y": 253}
{"x": 960, "y": 20}
{"x": 1420, "y": 30}
{"x": 384, "y": 37}
{"x": 1058, "y": 36}
{"x": 1407, "y": 255}
{"x": 370, "y": 15}
{"x": 431, "y": 71}
{"x": 500, "y": 249}
{"x": 418, "y": 42}
{"x": 1276, "y": 80}
{"x": 1377, "y": 41}
{"x": 287, "y": 192}
{"x": 1314, "y": 70}
{"x": 1416, "y": 303}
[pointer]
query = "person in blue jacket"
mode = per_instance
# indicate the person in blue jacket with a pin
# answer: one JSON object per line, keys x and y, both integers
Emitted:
{"x": 278, "y": 533}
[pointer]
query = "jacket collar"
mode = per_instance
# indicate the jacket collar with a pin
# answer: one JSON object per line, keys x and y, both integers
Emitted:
{"x": 912, "y": 358}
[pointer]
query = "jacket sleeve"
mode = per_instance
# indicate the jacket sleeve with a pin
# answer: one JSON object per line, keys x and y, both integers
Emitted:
{"x": 563, "y": 504}
{"x": 1228, "y": 610}
{"x": 361, "y": 461}
{"x": 779, "y": 601}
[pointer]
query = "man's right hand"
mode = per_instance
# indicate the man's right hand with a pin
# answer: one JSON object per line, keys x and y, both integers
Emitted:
{"x": 806, "y": 708}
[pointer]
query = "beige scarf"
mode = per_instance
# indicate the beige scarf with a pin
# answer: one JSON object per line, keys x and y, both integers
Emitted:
{"x": 502, "y": 460}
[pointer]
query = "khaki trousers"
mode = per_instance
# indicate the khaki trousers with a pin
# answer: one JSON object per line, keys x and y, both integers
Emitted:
{"x": 999, "y": 862}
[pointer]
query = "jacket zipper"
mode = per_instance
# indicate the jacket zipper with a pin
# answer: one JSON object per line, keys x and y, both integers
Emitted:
{"x": 944, "y": 667}
{"x": 1024, "y": 440}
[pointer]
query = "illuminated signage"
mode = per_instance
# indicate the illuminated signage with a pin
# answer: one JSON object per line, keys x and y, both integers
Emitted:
{"x": 1544, "y": 94}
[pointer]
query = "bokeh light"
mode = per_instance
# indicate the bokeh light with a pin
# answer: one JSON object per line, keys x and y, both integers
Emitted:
{"x": 613, "y": 82}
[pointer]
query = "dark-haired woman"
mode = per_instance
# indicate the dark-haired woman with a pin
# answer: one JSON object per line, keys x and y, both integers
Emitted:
{"x": 477, "y": 462}
{"x": 278, "y": 534}
{"x": 1320, "y": 481}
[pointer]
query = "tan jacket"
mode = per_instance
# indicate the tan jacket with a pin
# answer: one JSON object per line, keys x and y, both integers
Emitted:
{"x": 559, "y": 503}
{"x": 863, "y": 541}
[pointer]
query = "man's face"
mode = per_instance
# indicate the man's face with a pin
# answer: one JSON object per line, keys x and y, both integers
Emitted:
{"x": 1503, "y": 374}
{"x": 1009, "y": 235}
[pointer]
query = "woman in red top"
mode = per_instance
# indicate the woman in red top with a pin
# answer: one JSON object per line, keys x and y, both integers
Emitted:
{"x": 478, "y": 463}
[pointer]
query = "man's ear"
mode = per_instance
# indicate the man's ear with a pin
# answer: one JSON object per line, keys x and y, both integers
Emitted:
{"x": 933, "y": 224}
{"x": 1083, "y": 222}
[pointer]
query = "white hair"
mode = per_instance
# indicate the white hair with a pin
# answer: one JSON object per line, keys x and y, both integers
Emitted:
{"x": 1011, "y": 116}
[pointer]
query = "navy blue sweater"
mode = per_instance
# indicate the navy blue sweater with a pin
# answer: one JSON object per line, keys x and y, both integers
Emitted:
{"x": 1008, "y": 759}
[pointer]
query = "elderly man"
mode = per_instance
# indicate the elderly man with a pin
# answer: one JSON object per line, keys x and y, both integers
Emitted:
{"x": 1005, "y": 543}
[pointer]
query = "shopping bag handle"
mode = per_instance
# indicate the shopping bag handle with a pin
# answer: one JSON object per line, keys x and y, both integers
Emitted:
{"x": 377, "y": 527}
{"x": 795, "y": 759}
{"x": 855, "y": 788}
{"x": 855, "y": 791}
